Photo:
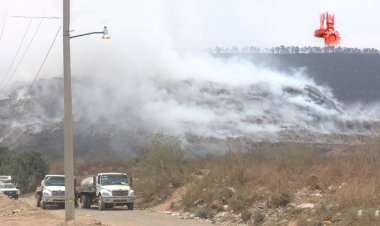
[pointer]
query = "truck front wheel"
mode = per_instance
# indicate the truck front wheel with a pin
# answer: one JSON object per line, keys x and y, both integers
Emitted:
{"x": 84, "y": 201}
{"x": 39, "y": 197}
{"x": 101, "y": 204}
{"x": 43, "y": 205}
{"x": 131, "y": 205}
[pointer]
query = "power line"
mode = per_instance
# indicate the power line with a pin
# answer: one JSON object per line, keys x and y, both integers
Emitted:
{"x": 23, "y": 55}
{"x": 18, "y": 50}
{"x": 43, "y": 62}
{"x": 2, "y": 30}
{"x": 38, "y": 17}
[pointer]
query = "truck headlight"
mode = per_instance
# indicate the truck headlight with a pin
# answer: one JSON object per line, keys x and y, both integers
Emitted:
{"x": 46, "y": 193}
{"x": 131, "y": 193}
{"x": 106, "y": 193}
{"x": 18, "y": 192}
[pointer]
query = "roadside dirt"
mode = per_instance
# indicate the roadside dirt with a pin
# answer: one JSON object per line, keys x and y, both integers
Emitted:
{"x": 20, "y": 213}
{"x": 23, "y": 212}
{"x": 175, "y": 198}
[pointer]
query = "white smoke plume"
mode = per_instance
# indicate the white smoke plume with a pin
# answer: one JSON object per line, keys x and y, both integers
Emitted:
{"x": 152, "y": 75}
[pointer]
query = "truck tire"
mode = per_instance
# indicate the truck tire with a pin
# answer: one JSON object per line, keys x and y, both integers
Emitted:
{"x": 43, "y": 205}
{"x": 89, "y": 201}
{"x": 101, "y": 205}
{"x": 39, "y": 197}
{"x": 130, "y": 205}
{"x": 84, "y": 201}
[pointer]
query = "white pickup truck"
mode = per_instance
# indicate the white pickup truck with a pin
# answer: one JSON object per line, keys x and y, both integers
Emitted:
{"x": 10, "y": 190}
{"x": 106, "y": 190}
{"x": 5, "y": 179}
{"x": 51, "y": 191}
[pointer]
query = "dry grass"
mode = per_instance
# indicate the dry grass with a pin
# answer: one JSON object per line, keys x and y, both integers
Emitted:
{"x": 347, "y": 175}
{"x": 349, "y": 178}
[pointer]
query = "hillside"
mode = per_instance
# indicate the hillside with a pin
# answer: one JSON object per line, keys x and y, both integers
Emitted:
{"x": 352, "y": 77}
{"x": 273, "y": 102}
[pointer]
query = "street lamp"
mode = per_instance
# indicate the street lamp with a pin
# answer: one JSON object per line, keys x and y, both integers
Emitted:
{"x": 104, "y": 32}
{"x": 68, "y": 131}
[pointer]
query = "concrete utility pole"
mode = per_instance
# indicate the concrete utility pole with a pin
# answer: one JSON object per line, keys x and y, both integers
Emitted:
{"x": 68, "y": 130}
{"x": 68, "y": 121}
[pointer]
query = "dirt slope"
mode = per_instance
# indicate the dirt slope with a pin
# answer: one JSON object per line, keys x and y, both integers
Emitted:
{"x": 20, "y": 213}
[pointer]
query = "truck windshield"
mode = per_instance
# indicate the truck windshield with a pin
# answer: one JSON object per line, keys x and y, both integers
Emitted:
{"x": 114, "y": 179}
{"x": 7, "y": 186}
{"x": 54, "y": 181}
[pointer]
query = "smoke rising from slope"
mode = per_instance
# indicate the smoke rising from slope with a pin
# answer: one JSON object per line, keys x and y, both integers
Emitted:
{"x": 208, "y": 97}
{"x": 148, "y": 77}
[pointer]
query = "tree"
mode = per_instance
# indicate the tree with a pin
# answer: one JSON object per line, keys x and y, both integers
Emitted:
{"x": 27, "y": 168}
{"x": 4, "y": 151}
{"x": 4, "y": 157}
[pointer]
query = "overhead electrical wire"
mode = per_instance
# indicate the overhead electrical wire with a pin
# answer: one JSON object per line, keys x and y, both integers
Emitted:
{"x": 44, "y": 17}
{"x": 2, "y": 29}
{"x": 15, "y": 56}
{"x": 23, "y": 55}
{"x": 43, "y": 62}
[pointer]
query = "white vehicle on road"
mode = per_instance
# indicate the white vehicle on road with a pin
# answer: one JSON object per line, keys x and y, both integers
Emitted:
{"x": 5, "y": 179}
{"x": 106, "y": 190}
{"x": 51, "y": 191}
{"x": 10, "y": 190}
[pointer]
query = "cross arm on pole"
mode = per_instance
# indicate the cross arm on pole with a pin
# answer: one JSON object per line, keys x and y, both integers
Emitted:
{"x": 76, "y": 36}
{"x": 104, "y": 32}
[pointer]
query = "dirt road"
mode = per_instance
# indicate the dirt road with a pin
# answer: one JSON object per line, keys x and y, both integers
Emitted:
{"x": 122, "y": 217}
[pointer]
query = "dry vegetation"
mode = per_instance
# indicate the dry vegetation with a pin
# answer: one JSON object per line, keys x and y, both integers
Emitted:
{"x": 348, "y": 181}
{"x": 347, "y": 178}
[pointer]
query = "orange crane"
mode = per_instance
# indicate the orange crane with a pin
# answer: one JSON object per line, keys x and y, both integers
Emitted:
{"x": 331, "y": 36}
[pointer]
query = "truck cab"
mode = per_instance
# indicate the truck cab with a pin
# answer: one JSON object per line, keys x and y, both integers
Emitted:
{"x": 5, "y": 179}
{"x": 106, "y": 190}
{"x": 9, "y": 190}
{"x": 51, "y": 191}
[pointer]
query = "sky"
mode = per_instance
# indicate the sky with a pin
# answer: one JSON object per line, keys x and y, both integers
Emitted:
{"x": 181, "y": 26}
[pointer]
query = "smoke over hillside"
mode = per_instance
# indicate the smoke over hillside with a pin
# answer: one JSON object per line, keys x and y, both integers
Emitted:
{"x": 151, "y": 77}
{"x": 198, "y": 96}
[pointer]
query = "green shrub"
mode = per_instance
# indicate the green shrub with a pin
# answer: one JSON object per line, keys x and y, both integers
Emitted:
{"x": 281, "y": 198}
{"x": 27, "y": 169}
{"x": 258, "y": 217}
{"x": 246, "y": 215}
{"x": 163, "y": 167}
{"x": 202, "y": 213}
{"x": 236, "y": 204}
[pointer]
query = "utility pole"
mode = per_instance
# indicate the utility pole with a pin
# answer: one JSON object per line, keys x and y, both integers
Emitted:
{"x": 68, "y": 130}
{"x": 68, "y": 121}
